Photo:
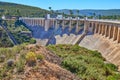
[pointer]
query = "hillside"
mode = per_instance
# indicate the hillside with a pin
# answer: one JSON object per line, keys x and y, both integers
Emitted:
{"x": 86, "y": 64}
{"x": 4, "y": 39}
{"x": 91, "y": 12}
{"x": 24, "y": 10}
{"x": 11, "y": 30}
{"x": 14, "y": 27}
{"x": 60, "y": 62}
{"x": 21, "y": 10}
{"x": 31, "y": 62}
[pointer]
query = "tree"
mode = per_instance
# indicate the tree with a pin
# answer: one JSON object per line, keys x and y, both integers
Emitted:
{"x": 94, "y": 15}
{"x": 115, "y": 17}
{"x": 7, "y": 12}
{"x": 100, "y": 16}
{"x": 63, "y": 13}
{"x": 71, "y": 12}
{"x": 56, "y": 11}
{"x": 78, "y": 12}
{"x": 18, "y": 12}
{"x": 50, "y": 8}
{"x": 51, "y": 11}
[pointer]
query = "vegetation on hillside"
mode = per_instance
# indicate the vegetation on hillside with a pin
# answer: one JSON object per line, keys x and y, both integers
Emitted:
{"x": 16, "y": 28}
{"x": 29, "y": 62}
{"x": 12, "y": 9}
{"x": 87, "y": 64}
{"x": 4, "y": 39}
{"x": 97, "y": 14}
{"x": 10, "y": 53}
{"x": 13, "y": 61}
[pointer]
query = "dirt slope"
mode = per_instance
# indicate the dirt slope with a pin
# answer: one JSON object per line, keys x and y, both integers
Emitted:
{"x": 48, "y": 69}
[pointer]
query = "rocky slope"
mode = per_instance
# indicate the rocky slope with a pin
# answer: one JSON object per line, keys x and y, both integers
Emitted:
{"x": 47, "y": 68}
{"x": 48, "y": 71}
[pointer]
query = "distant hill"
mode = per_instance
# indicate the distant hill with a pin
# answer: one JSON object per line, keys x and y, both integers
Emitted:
{"x": 22, "y": 10}
{"x": 90, "y": 12}
{"x": 25, "y": 10}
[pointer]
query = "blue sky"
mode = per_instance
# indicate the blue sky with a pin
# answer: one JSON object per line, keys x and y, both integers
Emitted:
{"x": 71, "y": 4}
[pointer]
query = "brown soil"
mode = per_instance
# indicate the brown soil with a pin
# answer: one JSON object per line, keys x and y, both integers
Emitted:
{"x": 49, "y": 56}
{"x": 47, "y": 69}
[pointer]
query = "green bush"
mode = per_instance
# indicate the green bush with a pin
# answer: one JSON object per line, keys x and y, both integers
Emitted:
{"x": 111, "y": 66}
{"x": 32, "y": 41}
{"x": 75, "y": 48}
{"x": 40, "y": 57}
{"x": 3, "y": 73}
{"x": 111, "y": 78}
{"x": 31, "y": 58}
{"x": 20, "y": 65}
{"x": 4, "y": 39}
{"x": 87, "y": 64}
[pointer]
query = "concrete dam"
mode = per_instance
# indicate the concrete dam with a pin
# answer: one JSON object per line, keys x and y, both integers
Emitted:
{"x": 101, "y": 35}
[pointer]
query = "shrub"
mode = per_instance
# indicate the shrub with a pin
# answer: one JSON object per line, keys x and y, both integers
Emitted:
{"x": 31, "y": 58}
{"x": 75, "y": 48}
{"x": 111, "y": 66}
{"x": 111, "y": 78}
{"x": 3, "y": 73}
{"x": 40, "y": 57}
{"x": 10, "y": 62}
{"x": 74, "y": 65}
{"x": 32, "y": 41}
{"x": 20, "y": 65}
{"x": 2, "y": 58}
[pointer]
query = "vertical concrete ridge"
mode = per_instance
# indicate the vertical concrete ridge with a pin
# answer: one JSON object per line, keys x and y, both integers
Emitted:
{"x": 67, "y": 39}
{"x": 42, "y": 42}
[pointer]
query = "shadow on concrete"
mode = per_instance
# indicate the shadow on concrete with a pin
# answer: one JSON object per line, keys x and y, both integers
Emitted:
{"x": 38, "y": 32}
